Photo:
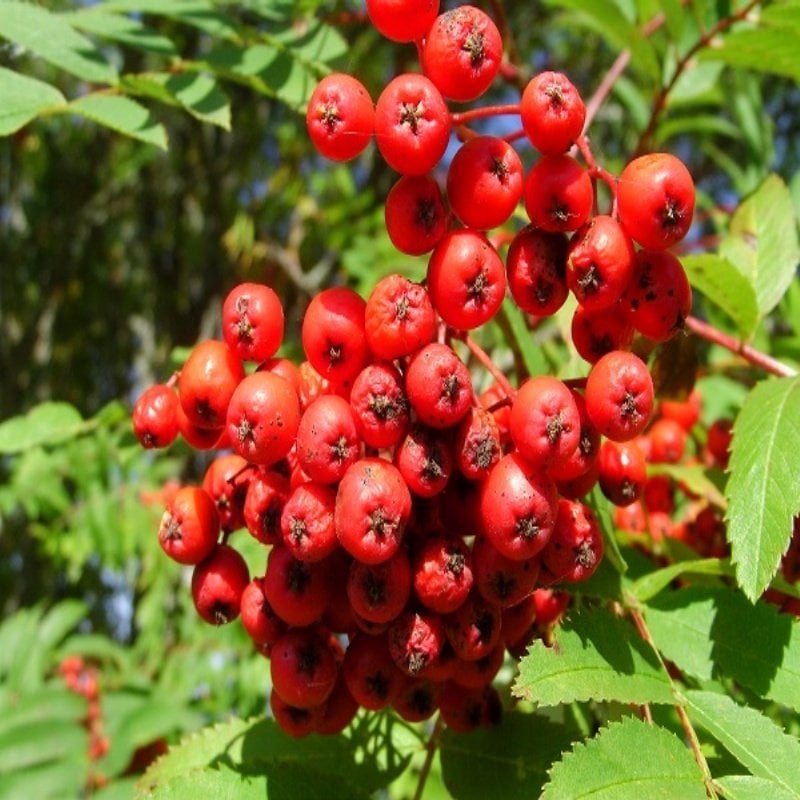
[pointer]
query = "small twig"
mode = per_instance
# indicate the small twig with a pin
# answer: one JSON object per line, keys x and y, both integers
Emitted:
{"x": 746, "y": 351}
{"x": 686, "y": 724}
{"x": 486, "y": 361}
{"x": 430, "y": 752}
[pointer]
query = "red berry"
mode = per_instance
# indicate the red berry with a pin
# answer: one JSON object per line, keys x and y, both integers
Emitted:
{"x": 399, "y": 318}
{"x": 333, "y": 334}
{"x": 418, "y": 700}
{"x": 252, "y": 321}
{"x": 438, "y": 386}
{"x": 259, "y": 619}
{"x": 595, "y": 333}
{"x": 303, "y": 668}
{"x": 402, "y": 20}
{"x": 412, "y": 124}
{"x": 370, "y": 673}
{"x": 379, "y": 592}
{"x": 155, "y": 416}
{"x": 600, "y": 263}
{"x": 465, "y": 710}
{"x": 415, "y": 640}
{"x": 263, "y": 417}
{"x": 190, "y": 526}
{"x": 466, "y": 279}
{"x": 622, "y": 472}
{"x": 576, "y": 546}
{"x": 720, "y": 436}
{"x": 218, "y": 583}
{"x": 502, "y": 581}
{"x": 484, "y": 182}
{"x": 536, "y": 267}
{"x": 373, "y": 506}
{"x": 477, "y": 446}
{"x": 226, "y": 481}
{"x": 552, "y": 112}
{"x": 340, "y": 117}
{"x": 558, "y": 194}
{"x": 293, "y": 721}
{"x": 266, "y": 496}
{"x": 298, "y": 591}
{"x": 327, "y": 439}
{"x": 684, "y": 412}
{"x": 667, "y": 441}
{"x": 619, "y": 395}
{"x": 415, "y": 215}
{"x": 307, "y": 524}
{"x": 656, "y": 200}
{"x": 425, "y": 460}
{"x": 207, "y": 382}
{"x": 442, "y": 573}
{"x": 584, "y": 456}
{"x": 462, "y": 53}
{"x": 518, "y": 507}
{"x": 380, "y": 406}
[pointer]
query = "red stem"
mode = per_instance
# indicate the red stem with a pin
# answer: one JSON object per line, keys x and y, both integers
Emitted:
{"x": 463, "y": 117}
{"x": 486, "y": 361}
{"x": 748, "y": 353}
{"x": 595, "y": 170}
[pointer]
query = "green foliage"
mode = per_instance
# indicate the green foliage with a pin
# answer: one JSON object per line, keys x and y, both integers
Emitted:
{"x": 764, "y": 486}
{"x": 629, "y": 759}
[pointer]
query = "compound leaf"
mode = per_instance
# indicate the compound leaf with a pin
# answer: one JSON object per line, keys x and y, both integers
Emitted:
{"x": 122, "y": 114}
{"x": 50, "y": 37}
{"x": 628, "y": 760}
{"x": 595, "y": 656}
{"x": 23, "y": 98}
{"x": 753, "y": 739}
{"x": 763, "y": 490}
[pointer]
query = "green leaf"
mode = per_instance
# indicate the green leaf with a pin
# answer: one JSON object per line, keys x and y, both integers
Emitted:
{"x": 46, "y": 424}
{"x": 628, "y": 760}
{"x": 244, "y": 756}
{"x": 50, "y": 37}
{"x": 509, "y": 760}
{"x": 39, "y": 742}
{"x": 772, "y": 50}
{"x": 725, "y": 286}
{"x": 52, "y": 781}
{"x": 51, "y": 703}
{"x": 763, "y": 490}
{"x": 122, "y": 29}
{"x": 763, "y": 242}
{"x": 711, "y": 631}
{"x": 595, "y": 656}
{"x": 23, "y": 98}
{"x": 197, "y": 93}
{"x": 747, "y": 787}
{"x": 123, "y": 115}
{"x": 520, "y": 334}
{"x": 201, "y": 14}
{"x": 753, "y": 739}
{"x": 652, "y": 583}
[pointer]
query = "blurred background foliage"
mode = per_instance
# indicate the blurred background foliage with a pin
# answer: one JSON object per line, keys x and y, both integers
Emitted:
{"x": 115, "y": 253}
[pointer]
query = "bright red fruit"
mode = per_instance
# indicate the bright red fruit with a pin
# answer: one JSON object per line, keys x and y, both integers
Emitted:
{"x": 155, "y": 416}
{"x": 552, "y": 112}
{"x": 415, "y": 214}
{"x": 252, "y": 321}
{"x": 402, "y": 20}
{"x": 558, "y": 194}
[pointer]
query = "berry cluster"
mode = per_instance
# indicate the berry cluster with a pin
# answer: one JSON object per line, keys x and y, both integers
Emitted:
{"x": 410, "y": 518}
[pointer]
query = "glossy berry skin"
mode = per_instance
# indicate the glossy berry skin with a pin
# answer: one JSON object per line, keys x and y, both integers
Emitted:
{"x": 667, "y": 441}
{"x": 584, "y": 457}
{"x": 425, "y": 460}
{"x": 659, "y": 297}
{"x": 720, "y": 437}
{"x": 536, "y": 266}
{"x": 218, "y": 583}
{"x": 327, "y": 439}
{"x": 412, "y": 124}
{"x": 297, "y": 591}
{"x": 464, "y": 710}
{"x": 333, "y": 334}
{"x": 622, "y": 472}
{"x": 189, "y": 527}
{"x": 442, "y": 573}
{"x": 502, "y": 581}
{"x": 685, "y": 412}
{"x": 262, "y": 624}
{"x": 544, "y": 422}
{"x": 466, "y": 279}
{"x": 207, "y": 382}
{"x": 600, "y": 262}
{"x": 379, "y": 592}
{"x": 380, "y": 406}
{"x": 226, "y": 481}
{"x": 295, "y": 722}
{"x": 656, "y": 200}
{"x": 373, "y": 506}
{"x": 303, "y": 668}
{"x": 340, "y": 117}
{"x": 263, "y": 417}
{"x": 438, "y": 386}
{"x": 196, "y": 437}
{"x": 484, "y": 182}
{"x": 399, "y": 318}
{"x": 473, "y": 629}
{"x": 558, "y": 194}
{"x": 517, "y": 507}
{"x": 155, "y": 416}
{"x": 415, "y": 214}
{"x": 402, "y": 20}
{"x": 307, "y": 525}
{"x": 266, "y": 496}
{"x": 552, "y": 112}
{"x": 619, "y": 395}
{"x": 576, "y": 547}
{"x": 418, "y": 700}
{"x": 252, "y": 321}
{"x": 462, "y": 53}
{"x": 595, "y": 333}
{"x": 371, "y": 675}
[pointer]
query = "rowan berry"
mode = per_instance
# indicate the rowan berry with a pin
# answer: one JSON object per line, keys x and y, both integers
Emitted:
{"x": 307, "y": 522}
{"x": 477, "y": 447}
{"x": 418, "y": 700}
{"x": 718, "y": 443}
{"x": 259, "y": 619}
{"x": 465, "y": 710}
{"x": 371, "y": 675}
{"x": 558, "y": 194}
{"x": 380, "y": 406}
{"x": 584, "y": 456}
{"x": 252, "y": 321}
{"x": 218, "y": 583}
{"x": 266, "y": 496}
{"x": 189, "y": 527}
{"x": 536, "y": 266}
{"x": 402, "y": 20}
{"x": 298, "y": 591}
{"x": 425, "y": 460}
{"x": 155, "y": 416}
{"x": 595, "y": 333}
{"x": 667, "y": 441}
{"x": 415, "y": 214}
{"x": 442, "y": 572}
{"x": 303, "y": 667}
{"x": 500, "y": 580}
{"x": 552, "y": 112}
{"x": 295, "y": 722}
{"x": 415, "y": 641}
{"x": 226, "y": 480}
{"x": 622, "y": 472}
{"x": 379, "y": 592}
{"x": 576, "y": 546}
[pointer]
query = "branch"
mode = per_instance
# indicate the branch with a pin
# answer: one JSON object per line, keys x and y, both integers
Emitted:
{"x": 746, "y": 351}
{"x": 430, "y": 752}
